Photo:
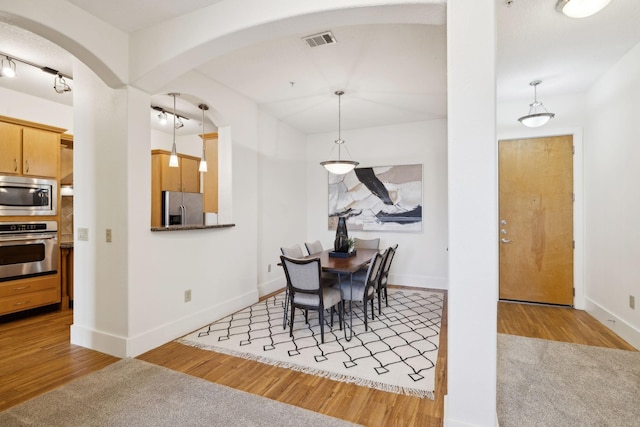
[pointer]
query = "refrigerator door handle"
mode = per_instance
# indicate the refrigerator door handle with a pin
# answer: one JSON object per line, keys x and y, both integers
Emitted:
{"x": 183, "y": 215}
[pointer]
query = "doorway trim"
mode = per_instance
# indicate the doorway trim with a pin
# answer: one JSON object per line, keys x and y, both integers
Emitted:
{"x": 578, "y": 206}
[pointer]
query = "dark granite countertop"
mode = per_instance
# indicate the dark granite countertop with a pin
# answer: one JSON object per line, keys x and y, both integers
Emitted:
{"x": 191, "y": 227}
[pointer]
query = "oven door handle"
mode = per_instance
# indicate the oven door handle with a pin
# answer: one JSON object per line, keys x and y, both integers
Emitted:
{"x": 27, "y": 237}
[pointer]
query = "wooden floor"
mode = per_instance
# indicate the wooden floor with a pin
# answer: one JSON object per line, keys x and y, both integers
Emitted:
{"x": 35, "y": 357}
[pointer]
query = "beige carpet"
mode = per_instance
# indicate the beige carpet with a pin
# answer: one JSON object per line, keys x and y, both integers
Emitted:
{"x": 549, "y": 383}
{"x": 132, "y": 392}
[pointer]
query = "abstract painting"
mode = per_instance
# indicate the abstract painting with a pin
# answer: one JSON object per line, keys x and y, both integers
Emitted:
{"x": 380, "y": 198}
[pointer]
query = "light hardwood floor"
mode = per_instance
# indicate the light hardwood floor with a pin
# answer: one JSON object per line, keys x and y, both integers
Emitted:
{"x": 35, "y": 357}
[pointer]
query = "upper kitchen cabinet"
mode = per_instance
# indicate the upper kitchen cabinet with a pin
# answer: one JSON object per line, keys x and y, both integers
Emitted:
{"x": 29, "y": 149}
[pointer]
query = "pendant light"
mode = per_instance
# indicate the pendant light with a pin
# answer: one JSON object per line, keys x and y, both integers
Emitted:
{"x": 203, "y": 159}
{"x": 339, "y": 167}
{"x": 173, "y": 160}
{"x": 580, "y": 8}
{"x": 538, "y": 115}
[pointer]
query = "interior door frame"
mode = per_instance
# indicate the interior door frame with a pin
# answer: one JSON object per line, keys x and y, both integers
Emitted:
{"x": 578, "y": 190}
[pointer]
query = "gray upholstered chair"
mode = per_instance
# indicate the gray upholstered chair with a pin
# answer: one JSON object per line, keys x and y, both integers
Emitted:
{"x": 366, "y": 243}
{"x": 384, "y": 275}
{"x": 363, "y": 291}
{"x": 314, "y": 248}
{"x": 306, "y": 292}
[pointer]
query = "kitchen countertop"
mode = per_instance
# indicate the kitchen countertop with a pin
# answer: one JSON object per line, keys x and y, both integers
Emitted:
{"x": 191, "y": 227}
{"x": 67, "y": 244}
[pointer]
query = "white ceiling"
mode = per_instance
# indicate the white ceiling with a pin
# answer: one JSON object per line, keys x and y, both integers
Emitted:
{"x": 390, "y": 73}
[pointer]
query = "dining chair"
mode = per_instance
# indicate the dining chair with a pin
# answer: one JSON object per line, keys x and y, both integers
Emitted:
{"x": 384, "y": 275}
{"x": 294, "y": 251}
{"x": 306, "y": 292}
{"x": 366, "y": 243}
{"x": 363, "y": 291}
{"x": 314, "y": 248}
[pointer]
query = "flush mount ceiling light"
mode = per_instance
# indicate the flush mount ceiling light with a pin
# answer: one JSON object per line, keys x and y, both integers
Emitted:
{"x": 8, "y": 68}
{"x": 173, "y": 159}
{"x": 538, "y": 115}
{"x": 339, "y": 167}
{"x": 580, "y": 8}
{"x": 203, "y": 159}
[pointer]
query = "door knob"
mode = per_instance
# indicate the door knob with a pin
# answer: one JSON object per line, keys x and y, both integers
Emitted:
{"x": 503, "y": 240}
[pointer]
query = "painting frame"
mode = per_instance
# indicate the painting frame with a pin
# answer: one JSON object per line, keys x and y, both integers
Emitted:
{"x": 378, "y": 198}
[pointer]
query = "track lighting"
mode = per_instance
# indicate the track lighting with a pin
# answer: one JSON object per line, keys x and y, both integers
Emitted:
{"x": 8, "y": 68}
{"x": 60, "y": 84}
{"x": 177, "y": 122}
{"x": 163, "y": 118}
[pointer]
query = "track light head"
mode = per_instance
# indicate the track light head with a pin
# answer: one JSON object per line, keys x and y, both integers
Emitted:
{"x": 8, "y": 68}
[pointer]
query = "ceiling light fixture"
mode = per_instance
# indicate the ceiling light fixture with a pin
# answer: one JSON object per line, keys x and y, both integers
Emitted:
{"x": 173, "y": 159}
{"x": 8, "y": 68}
{"x": 177, "y": 122}
{"x": 339, "y": 167}
{"x": 162, "y": 117}
{"x": 60, "y": 84}
{"x": 580, "y": 8}
{"x": 538, "y": 115}
{"x": 203, "y": 160}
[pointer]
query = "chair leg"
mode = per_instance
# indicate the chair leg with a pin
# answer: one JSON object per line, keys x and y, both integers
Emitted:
{"x": 386, "y": 298}
{"x": 341, "y": 313}
{"x": 306, "y": 317}
{"x": 286, "y": 309}
{"x": 372, "y": 312}
{"x": 364, "y": 308}
{"x": 379, "y": 299}
{"x": 321, "y": 316}
{"x": 291, "y": 320}
{"x": 332, "y": 310}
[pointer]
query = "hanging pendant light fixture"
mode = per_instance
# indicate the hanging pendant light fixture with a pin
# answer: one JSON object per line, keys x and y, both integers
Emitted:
{"x": 580, "y": 8}
{"x": 203, "y": 159}
{"x": 173, "y": 159}
{"x": 538, "y": 115}
{"x": 339, "y": 167}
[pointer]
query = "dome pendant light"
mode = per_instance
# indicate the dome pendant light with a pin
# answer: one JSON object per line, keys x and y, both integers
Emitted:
{"x": 203, "y": 160}
{"x": 339, "y": 167}
{"x": 580, "y": 8}
{"x": 538, "y": 115}
{"x": 173, "y": 160}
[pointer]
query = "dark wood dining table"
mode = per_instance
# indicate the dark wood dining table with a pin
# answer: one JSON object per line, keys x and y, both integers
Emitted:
{"x": 345, "y": 267}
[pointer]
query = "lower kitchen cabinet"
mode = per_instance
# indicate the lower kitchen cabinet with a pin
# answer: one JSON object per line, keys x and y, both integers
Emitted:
{"x": 23, "y": 294}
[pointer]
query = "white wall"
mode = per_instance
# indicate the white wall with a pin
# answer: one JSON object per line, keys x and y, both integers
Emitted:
{"x": 612, "y": 176}
{"x": 421, "y": 259}
{"x": 26, "y": 107}
{"x": 281, "y": 197}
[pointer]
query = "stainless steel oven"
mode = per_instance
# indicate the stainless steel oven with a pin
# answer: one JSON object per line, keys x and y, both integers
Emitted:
{"x": 22, "y": 196}
{"x": 28, "y": 249}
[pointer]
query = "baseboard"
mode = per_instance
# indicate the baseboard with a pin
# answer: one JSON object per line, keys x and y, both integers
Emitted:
{"x": 419, "y": 281}
{"x": 448, "y": 422}
{"x": 623, "y": 329}
{"x": 134, "y": 346}
{"x": 271, "y": 286}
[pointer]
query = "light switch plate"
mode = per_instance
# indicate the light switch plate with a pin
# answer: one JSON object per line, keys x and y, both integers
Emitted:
{"x": 83, "y": 234}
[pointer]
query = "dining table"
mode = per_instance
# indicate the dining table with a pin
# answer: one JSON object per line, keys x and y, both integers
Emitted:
{"x": 345, "y": 266}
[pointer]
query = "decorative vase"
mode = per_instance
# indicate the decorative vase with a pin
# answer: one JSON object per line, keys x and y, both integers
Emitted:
{"x": 341, "y": 244}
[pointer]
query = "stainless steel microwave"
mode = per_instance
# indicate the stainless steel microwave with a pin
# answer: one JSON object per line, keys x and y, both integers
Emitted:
{"x": 22, "y": 196}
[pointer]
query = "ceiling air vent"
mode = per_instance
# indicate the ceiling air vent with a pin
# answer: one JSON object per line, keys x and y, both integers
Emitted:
{"x": 320, "y": 39}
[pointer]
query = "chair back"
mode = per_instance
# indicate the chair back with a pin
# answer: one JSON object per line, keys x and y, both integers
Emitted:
{"x": 386, "y": 265}
{"x": 294, "y": 251}
{"x": 373, "y": 272}
{"x": 366, "y": 243}
{"x": 303, "y": 275}
{"x": 314, "y": 248}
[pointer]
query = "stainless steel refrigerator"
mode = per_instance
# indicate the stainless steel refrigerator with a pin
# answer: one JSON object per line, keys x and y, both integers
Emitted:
{"x": 180, "y": 208}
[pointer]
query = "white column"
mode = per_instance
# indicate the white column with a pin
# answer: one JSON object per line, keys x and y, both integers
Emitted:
{"x": 473, "y": 251}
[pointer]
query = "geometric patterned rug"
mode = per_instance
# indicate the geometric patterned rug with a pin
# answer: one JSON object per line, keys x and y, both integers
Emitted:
{"x": 397, "y": 354}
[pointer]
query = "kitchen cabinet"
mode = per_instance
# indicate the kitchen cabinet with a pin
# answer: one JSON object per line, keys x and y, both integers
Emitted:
{"x": 29, "y": 149}
{"x": 185, "y": 177}
{"x": 210, "y": 178}
{"x": 66, "y": 275}
{"x": 23, "y": 294}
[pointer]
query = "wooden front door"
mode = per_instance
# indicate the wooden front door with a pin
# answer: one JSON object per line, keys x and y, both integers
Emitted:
{"x": 536, "y": 219}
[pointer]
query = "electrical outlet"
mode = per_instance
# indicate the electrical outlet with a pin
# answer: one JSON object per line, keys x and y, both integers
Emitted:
{"x": 187, "y": 295}
{"x": 269, "y": 268}
{"x": 108, "y": 235}
{"x": 83, "y": 234}
{"x": 632, "y": 302}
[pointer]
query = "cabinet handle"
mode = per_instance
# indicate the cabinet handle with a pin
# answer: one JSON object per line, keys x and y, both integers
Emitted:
{"x": 21, "y": 288}
{"x": 15, "y": 165}
{"x": 27, "y": 162}
{"x": 22, "y": 303}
